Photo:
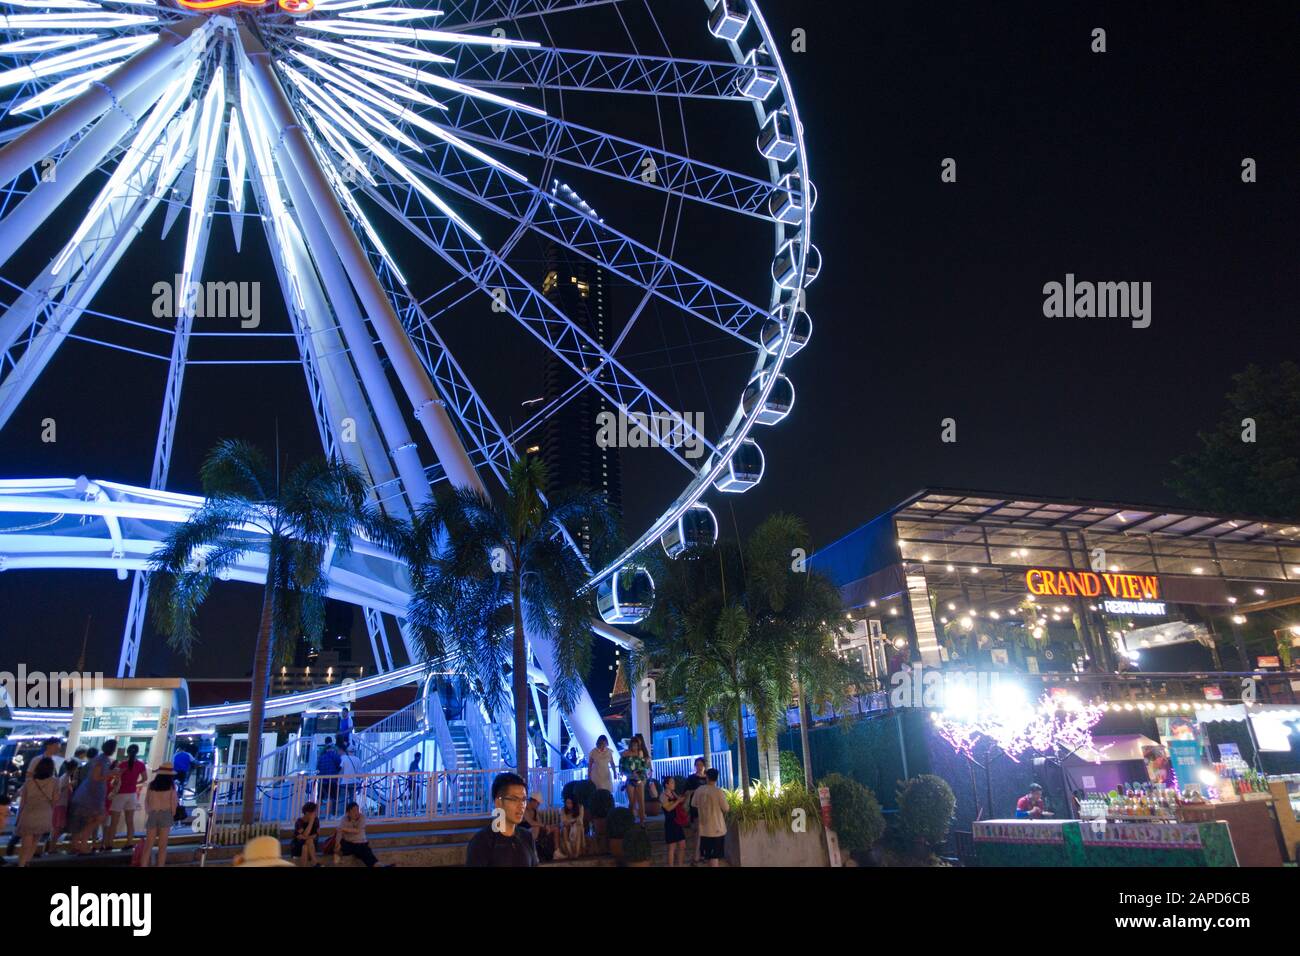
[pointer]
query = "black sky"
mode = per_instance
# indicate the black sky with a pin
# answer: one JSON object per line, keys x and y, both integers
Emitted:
{"x": 1117, "y": 166}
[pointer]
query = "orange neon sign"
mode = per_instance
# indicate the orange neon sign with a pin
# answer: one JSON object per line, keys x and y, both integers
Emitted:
{"x": 1131, "y": 587}
{"x": 288, "y": 6}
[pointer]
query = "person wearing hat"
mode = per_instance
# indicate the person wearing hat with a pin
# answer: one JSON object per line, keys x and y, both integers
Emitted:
{"x": 262, "y": 851}
{"x": 1031, "y": 805}
{"x": 160, "y": 802}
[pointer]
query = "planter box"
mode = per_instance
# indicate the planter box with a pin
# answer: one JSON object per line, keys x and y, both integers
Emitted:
{"x": 758, "y": 847}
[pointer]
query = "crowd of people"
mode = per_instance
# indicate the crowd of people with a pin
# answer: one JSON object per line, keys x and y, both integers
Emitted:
{"x": 79, "y": 803}
{"x": 694, "y": 812}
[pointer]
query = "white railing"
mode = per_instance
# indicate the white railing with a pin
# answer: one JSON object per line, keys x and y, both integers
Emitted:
{"x": 685, "y": 766}
{"x": 383, "y": 797}
{"x": 480, "y": 735}
{"x": 663, "y": 767}
{"x": 432, "y": 795}
{"x": 441, "y": 732}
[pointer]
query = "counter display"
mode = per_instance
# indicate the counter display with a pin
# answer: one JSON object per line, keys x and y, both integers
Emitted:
{"x": 1101, "y": 843}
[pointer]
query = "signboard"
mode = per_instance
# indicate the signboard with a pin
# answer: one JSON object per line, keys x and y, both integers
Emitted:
{"x": 1091, "y": 584}
{"x": 1262, "y": 663}
{"x": 1186, "y": 758}
{"x": 1212, "y": 692}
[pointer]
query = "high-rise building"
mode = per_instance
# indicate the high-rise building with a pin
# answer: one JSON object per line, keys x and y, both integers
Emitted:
{"x": 568, "y": 440}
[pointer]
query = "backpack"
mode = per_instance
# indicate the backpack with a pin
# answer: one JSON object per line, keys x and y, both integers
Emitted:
{"x": 681, "y": 816}
{"x": 328, "y": 763}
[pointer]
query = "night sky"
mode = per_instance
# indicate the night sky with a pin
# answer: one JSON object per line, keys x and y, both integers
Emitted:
{"x": 1121, "y": 166}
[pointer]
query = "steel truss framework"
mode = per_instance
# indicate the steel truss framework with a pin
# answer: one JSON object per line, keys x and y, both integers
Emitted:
{"x": 395, "y": 107}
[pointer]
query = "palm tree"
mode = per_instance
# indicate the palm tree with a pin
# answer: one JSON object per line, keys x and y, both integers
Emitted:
{"x": 737, "y": 628}
{"x": 700, "y": 640}
{"x": 321, "y": 503}
{"x": 485, "y": 571}
{"x": 803, "y": 612}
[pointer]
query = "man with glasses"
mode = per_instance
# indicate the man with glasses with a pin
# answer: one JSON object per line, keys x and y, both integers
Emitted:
{"x": 503, "y": 842}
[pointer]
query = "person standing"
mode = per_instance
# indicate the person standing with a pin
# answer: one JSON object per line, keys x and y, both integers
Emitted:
{"x": 327, "y": 768}
{"x": 676, "y": 817}
{"x": 633, "y": 766}
{"x": 351, "y": 769}
{"x": 36, "y": 807}
{"x": 503, "y": 842}
{"x": 600, "y": 765}
{"x": 87, "y": 807}
{"x": 693, "y": 783}
{"x": 131, "y": 774}
{"x": 182, "y": 761}
{"x": 345, "y": 728}
{"x": 160, "y": 802}
{"x": 712, "y": 804}
{"x": 50, "y": 748}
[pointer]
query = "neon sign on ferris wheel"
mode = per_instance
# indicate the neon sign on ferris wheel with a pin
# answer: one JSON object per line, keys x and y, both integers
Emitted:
{"x": 288, "y": 6}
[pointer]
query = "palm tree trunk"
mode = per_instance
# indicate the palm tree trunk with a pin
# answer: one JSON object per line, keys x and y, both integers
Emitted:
{"x": 257, "y": 705}
{"x": 805, "y": 714}
{"x": 708, "y": 741}
{"x": 742, "y": 750}
{"x": 519, "y": 687}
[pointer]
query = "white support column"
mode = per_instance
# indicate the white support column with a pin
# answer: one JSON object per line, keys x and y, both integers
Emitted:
{"x": 293, "y": 151}
{"x": 28, "y": 215}
{"x": 40, "y": 139}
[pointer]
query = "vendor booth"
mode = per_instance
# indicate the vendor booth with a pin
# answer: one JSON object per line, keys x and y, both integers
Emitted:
{"x": 1183, "y": 800}
{"x": 140, "y": 711}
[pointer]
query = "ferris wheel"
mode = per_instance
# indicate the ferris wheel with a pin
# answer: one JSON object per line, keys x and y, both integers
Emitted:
{"x": 400, "y": 158}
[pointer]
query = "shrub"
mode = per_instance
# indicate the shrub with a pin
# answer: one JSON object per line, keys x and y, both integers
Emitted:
{"x": 636, "y": 844}
{"x": 791, "y": 768}
{"x": 620, "y": 821}
{"x": 770, "y": 807}
{"x": 925, "y": 807}
{"x": 581, "y": 791}
{"x": 855, "y": 813}
{"x": 602, "y": 802}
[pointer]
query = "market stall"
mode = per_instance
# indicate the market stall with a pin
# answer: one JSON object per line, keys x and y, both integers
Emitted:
{"x": 1101, "y": 843}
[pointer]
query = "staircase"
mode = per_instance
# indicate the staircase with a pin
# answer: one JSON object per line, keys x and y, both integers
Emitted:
{"x": 467, "y": 785}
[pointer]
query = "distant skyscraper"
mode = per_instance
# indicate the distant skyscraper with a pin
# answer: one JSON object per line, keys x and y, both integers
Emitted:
{"x": 568, "y": 440}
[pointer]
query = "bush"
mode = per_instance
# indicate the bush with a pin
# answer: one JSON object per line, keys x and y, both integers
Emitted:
{"x": 791, "y": 768}
{"x": 602, "y": 802}
{"x": 620, "y": 821}
{"x": 636, "y": 844}
{"x": 770, "y": 807}
{"x": 925, "y": 807}
{"x": 856, "y": 816}
{"x": 581, "y": 790}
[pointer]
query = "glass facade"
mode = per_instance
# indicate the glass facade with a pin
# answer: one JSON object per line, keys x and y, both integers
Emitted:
{"x": 1049, "y": 586}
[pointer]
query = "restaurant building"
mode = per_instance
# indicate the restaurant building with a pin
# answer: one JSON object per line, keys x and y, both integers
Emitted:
{"x": 1047, "y": 585}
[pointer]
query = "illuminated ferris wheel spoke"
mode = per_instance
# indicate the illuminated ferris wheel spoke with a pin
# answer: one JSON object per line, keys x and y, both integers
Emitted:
{"x": 544, "y": 320}
{"x": 472, "y": 14}
{"x": 552, "y": 216}
{"x": 550, "y": 68}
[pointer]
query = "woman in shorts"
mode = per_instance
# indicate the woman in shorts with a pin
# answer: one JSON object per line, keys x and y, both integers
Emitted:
{"x": 131, "y": 774}
{"x": 159, "y": 813}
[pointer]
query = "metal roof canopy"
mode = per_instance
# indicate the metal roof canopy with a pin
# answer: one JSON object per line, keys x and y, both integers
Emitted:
{"x": 1040, "y": 513}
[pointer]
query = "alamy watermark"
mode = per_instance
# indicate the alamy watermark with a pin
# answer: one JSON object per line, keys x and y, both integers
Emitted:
{"x": 1102, "y": 300}
{"x": 949, "y": 689}
{"x": 209, "y": 300}
{"x": 40, "y": 689}
{"x": 656, "y": 430}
